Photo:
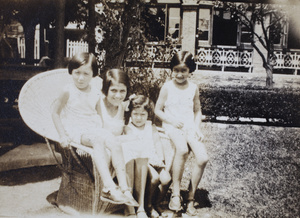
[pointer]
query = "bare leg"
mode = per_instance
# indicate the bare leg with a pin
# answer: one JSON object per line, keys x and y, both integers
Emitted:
{"x": 117, "y": 161}
{"x": 165, "y": 182}
{"x": 101, "y": 160}
{"x": 201, "y": 159}
{"x": 181, "y": 154}
{"x": 129, "y": 210}
{"x": 153, "y": 182}
{"x": 119, "y": 165}
{"x": 141, "y": 171}
{"x": 161, "y": 191}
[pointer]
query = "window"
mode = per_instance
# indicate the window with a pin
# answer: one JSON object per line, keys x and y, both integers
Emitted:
{"x": 294, "y": 33}
{"x": 162, "y": 21}
{"x": 203, "y": 30}
{"x": 244, "y": 33}
{"x": 174, "y": 23}
{"x": 224, "y": 28}
{"x": 278, "y": 33}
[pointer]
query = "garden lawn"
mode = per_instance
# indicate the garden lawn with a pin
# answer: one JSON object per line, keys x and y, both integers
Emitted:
{"x": 254, "y": 171}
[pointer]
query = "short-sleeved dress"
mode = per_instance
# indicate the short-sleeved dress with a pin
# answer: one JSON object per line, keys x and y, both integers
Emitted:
{"x": 143, "y": 146}
{"x": 79, "y": 116}
{"x": 180, "y": 104}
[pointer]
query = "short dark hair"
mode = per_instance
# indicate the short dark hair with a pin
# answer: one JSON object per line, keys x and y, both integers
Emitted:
{"x": 81, "y": 59}
{"x": 141, "y": 101}
{"x": 183, "y": 57}
{"x": 117, "y": 76}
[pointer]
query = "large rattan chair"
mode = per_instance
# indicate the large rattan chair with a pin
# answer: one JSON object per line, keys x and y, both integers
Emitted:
{"x": 81, "y": 185}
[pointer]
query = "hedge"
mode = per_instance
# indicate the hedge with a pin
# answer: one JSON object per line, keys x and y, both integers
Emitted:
{"x": 275, "y": 105}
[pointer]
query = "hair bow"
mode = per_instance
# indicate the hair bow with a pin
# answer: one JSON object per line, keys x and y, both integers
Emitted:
{"x": 131, "y": 97}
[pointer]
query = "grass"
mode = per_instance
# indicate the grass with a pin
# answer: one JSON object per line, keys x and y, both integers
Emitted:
{"x": 254, "y": 171}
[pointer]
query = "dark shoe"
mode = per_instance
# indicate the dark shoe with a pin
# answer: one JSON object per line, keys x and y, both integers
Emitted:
{"x": 175, "y": 203}
{"x": 52, "y": 198}
{"x": 114, "y": 195}
{"x": 190, "y": 209}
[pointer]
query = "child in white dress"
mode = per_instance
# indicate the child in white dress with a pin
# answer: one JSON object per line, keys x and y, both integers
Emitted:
{"x": 113, "y": 105}
{"x": 76, "y": 115}
{"x": 144, "y": 154}
{"x": 178, "y": 106}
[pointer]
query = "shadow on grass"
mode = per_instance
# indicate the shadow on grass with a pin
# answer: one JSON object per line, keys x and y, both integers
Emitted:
{"x": 29, "y": 175}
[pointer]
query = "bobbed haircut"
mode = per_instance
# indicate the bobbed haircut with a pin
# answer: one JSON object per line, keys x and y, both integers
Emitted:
{"x": 83, "y": 58}
{"x": 183, "y": 57}
{"x": 114, "y": 76}
{"x": 142, "y": 101}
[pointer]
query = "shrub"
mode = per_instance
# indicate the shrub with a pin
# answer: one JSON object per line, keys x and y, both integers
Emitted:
{"x": 276, "y": 105}
{"x": 146, "y": 81}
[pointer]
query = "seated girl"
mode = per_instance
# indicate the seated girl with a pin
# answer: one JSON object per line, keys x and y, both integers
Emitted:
{"x": 144, "y": 155}
{"x": 76, "y": 115}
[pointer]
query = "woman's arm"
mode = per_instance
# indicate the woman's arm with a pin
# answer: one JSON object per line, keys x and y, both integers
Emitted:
{"x": 59, "y": 104}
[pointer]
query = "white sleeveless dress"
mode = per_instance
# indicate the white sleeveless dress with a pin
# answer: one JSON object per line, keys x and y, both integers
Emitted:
{"x": 113, "y": 124}
{"x": 180, "y": 104}
{"x": 143, "y": 146}
{"x": 79, "y": 116}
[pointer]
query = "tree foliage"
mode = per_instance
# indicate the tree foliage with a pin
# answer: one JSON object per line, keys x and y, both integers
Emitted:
{"x": 271, "y": 18}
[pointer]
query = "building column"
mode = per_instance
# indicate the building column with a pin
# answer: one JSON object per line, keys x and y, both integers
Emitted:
{"x": 189, "y": 25}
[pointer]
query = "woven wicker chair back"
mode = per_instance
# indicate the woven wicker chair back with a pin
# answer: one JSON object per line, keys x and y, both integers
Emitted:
{"x": 36, "y": 99}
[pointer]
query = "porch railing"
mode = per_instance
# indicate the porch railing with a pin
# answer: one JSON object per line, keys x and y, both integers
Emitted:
{"x": 153, "y": 52}
{"x": 21, "y": 48}
{"x": 288, "y": 60}
{"x": 223, "y": 58}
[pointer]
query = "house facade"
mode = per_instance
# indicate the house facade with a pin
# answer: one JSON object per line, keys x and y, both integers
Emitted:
{"x": 219, "y": 42}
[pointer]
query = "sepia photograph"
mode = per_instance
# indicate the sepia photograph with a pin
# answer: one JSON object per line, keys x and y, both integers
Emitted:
{"x": 150, "y": 108}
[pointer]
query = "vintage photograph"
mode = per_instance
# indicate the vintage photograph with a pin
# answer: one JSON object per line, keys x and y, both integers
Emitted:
{"x": 150, "y": 108}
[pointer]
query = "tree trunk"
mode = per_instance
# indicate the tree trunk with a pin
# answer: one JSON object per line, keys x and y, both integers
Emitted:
{"x": 60, "y": 36}
{"x": 269, "y": 78}
{"x": 127, "y": 20}
{"x": 91, "y": 26}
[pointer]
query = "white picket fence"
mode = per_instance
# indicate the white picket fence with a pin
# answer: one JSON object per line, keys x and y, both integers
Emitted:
{"x": 74, "y": 47}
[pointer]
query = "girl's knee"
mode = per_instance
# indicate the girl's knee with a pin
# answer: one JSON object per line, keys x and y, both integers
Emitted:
{"x": 202, "y": 161}
{"x": 165, "y": 179}
{"x": 182, "y": 150}
{"x": 155, "y": 179}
